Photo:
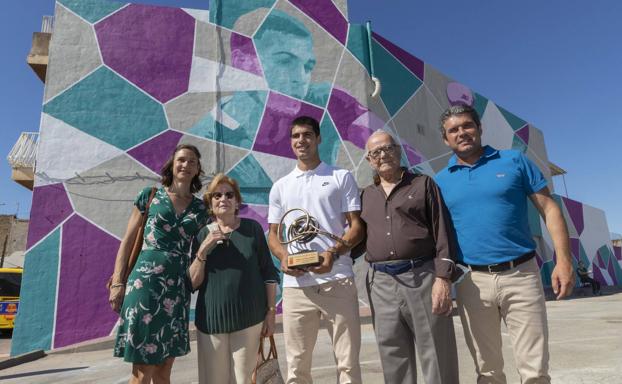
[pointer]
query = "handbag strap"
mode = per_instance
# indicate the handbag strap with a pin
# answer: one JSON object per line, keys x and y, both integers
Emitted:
{"x": 271, "y": 354}
{"x": 138, "y": 240}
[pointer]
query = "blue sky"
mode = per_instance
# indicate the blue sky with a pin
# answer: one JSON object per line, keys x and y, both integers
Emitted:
{"x": 554, "y": 63}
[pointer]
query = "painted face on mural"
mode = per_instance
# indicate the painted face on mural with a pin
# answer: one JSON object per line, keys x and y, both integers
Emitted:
{"x": 185, "y": 165}
{"x": 463, "y": 135}
{"x": 285, "y": 48}
{"x": 305, "y": 143}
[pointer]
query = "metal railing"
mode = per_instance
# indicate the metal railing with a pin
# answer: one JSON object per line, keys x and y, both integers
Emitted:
{"x": 24, "y": 151}
{"x": 47, "y": 24}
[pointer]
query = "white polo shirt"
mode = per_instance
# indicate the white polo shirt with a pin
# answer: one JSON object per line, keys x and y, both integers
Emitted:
{"x": 327, "y": 193}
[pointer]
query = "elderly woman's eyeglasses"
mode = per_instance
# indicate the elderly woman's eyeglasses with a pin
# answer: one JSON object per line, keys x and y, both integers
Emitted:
{"x": 219, "y": 195}
{"x": 387, "y": 149}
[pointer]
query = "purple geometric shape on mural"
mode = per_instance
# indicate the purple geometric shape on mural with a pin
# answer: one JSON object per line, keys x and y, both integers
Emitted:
{"x": 50, "y": 206}
{"x": 459, "y": 94}
{"x": 87, "y": 260}
{"x": 154, "y": 153}
{"x": 151, "y": 47}
{"x": 598, "y": 275}
{"x": 327, "y": 15}
{"x": 617, "y": 251}
{"x": 258, "y": 213}
{"x": 575, "y": 248}
{"x": 411, "y": 62}
{"x": 413, "y": 156}
{"x": 243, "y": 54}
{"x": 273, "y": 135}
{"x": 598, "y": 260}
{"x": 523, "y": 133}
{"x": 347, "y": 114}
{"x": 539, "y": 260}
{"x": 575, "y": 210}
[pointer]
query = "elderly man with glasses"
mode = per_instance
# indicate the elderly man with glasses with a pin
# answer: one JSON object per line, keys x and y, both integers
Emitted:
{"x": 410, "y": 248}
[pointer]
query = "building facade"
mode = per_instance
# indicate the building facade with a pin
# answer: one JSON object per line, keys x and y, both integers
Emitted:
{"x": 126, "y": 83}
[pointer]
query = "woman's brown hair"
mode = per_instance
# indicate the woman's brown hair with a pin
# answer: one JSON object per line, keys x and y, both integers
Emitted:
{"x": 167, "y": 169}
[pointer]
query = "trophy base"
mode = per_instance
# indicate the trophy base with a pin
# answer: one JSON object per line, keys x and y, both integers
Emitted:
{"x": 304, "y": 259}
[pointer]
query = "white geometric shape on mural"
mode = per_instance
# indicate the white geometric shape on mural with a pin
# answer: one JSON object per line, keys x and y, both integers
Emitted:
{"x": 199, "y": 14}
{"x": 497, "y": 132}
{"x": 210, "y": 76}
{"x": 61, "y": 153}
{"x": 596, "y": 233}
{"x": 548, "y": 241}
{"x": 274, "y": 166}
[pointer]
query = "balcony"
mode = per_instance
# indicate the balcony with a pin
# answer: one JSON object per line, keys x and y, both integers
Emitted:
{"x": 38, "y": 57}
{"x": 22, "y": 159}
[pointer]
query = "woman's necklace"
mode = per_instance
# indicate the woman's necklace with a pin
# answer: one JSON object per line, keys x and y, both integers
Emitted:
{"x": 227, "y": 234}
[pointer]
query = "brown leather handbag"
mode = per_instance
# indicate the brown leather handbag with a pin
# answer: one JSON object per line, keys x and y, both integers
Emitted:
{"x": 267, "y": 370}
{"x": 138, "y": 243}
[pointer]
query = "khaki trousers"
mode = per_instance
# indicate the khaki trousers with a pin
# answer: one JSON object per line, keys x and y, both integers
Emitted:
{"x": 337, "y": 303}
{"x": 517, "y": 298}
{"x": 228, "y": 358}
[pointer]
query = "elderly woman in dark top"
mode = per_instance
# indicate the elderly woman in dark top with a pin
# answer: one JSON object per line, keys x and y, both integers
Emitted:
{"x": 237, "y": 281}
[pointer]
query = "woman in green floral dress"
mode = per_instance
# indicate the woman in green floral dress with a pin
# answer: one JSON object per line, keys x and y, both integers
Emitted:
{"x": 153, "y": 329}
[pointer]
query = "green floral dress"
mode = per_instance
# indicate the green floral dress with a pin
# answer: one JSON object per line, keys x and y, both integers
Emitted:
{"x": 155, "y": 312}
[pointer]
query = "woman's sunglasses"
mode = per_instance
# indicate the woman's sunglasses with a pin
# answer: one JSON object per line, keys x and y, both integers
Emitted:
{"x": 219, "y": 195}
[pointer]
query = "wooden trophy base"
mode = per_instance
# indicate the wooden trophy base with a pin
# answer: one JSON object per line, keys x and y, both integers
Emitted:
{"x": 304, "y": 259}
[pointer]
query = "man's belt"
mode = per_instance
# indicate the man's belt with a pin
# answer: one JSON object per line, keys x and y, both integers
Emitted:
{"x": 399, "y": 267}
{"x": 501, "y": 267}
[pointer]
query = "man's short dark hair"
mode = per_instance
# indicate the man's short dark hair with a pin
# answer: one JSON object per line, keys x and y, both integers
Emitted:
{"x": 306, "y": 121}
{"x": 456, "y": 110}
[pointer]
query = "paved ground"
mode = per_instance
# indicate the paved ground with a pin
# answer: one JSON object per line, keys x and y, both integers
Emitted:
{"x": 586, "y": 348}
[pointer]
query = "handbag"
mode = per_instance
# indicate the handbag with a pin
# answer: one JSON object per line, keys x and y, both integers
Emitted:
{"x": 267, "y": 370}
{"x": 138, "y": 244}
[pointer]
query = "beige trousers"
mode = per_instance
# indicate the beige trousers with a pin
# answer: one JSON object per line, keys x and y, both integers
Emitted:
{"x": 337, "y": 303}
{"x": 228, "y": 358}
{"x": 517, "y": 298}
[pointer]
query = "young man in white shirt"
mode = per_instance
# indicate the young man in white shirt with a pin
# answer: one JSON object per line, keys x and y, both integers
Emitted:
{"x": 325, "y": 291}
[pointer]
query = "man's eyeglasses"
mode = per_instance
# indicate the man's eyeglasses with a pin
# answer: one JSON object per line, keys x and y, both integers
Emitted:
{"x": 218, "y": 195}
{"x": 387, "y": 149}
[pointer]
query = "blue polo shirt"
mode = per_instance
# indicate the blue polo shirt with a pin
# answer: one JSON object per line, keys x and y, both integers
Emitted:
{"x": 488, "y": 205}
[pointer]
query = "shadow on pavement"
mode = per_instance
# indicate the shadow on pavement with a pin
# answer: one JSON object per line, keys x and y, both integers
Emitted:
{"x": 36, "y": 373}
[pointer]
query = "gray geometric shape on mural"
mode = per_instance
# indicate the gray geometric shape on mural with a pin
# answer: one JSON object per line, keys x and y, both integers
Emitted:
{"x": 213, "y": 43}
{"x": 274, "y": 166}
{"x": 187, "y": 110}
{"x": 356, "y": 154}
{"x": 327, "y": 50}
{"x": 353, "y": 78}
{"x": 343, "y": 158}
{"x": 215, "y": 157}
{"x": 538, "y": 149}
{"x": 364, "y": 174}
{"x": 248, "y": 23}
{"x": 437, "y": 84}
{"x": 342, "y": 5}
{"x": 74, "y": 52}
{"x": 440, "y": 162}
{"x": 107, "y": 200}
{"x": 417, "y": 124}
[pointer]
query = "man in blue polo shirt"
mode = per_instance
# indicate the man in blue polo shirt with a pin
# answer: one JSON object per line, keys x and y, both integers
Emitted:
{"x": 486, "y": 192}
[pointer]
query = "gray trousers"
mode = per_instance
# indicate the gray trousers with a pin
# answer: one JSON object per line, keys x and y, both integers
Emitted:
{"x": 402, "y": 314}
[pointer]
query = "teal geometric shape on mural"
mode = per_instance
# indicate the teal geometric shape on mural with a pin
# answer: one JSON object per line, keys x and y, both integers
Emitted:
{"x": 518, "y": 144}
{"x": 226, "y": 12}
{"x": 254, "y": 183}
{"x": 583, "y": 255}
{"x": 611, "y": 264}
{"x": 514, "y": 121}
{"x": 35, "y": 317}
{"x": 545, "y": 272}
{"x": 92, "y": 10}
{"x": 358, "y": 46}
{"x": 398, "y": 83}
{"x": 245, "y": 108}
{"x": 534, "y": 219}
{"x": 479, "y": 104}
{"x": 109, "y": 108}
{"x": 329, "y": 147}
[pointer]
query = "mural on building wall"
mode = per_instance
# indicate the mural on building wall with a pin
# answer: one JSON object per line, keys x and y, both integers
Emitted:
{"x": 126, "y": 83}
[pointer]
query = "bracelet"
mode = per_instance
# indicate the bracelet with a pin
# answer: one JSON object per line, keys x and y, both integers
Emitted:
{"x": 201, "y": 260}
{"x": 272, "y": 309}
{"x": 116, "y": 285}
